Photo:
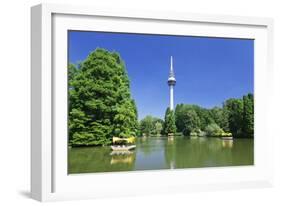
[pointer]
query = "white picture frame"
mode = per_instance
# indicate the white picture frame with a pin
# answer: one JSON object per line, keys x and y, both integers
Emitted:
{"x": 49, "y": 178}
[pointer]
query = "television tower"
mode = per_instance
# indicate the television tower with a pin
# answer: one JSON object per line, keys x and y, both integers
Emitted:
{"x": 171, "y": 83}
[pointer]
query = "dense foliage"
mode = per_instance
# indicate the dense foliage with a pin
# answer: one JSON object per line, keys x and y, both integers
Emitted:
{"x": 248, "y": 115}
{"x": 241, "y": 116}
{"x": 158, "y": 128}
{"x": 169, "y": 123}
{"x": 213, "y": 130}
{"x": 191, "y": 122}
{"x": 151, "y": 126}
{"x": 100, "y": 103}
{"x": 236, "y": 117}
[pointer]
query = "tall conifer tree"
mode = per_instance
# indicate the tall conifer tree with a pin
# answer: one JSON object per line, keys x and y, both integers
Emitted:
{"x": 100, "y": 103}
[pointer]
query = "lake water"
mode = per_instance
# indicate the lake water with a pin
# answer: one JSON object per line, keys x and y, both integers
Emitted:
{"x": 153, "y": 153}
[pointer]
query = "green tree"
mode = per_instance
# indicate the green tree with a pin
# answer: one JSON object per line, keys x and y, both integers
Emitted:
{"x": 124, "y": 121}
{"x": 248, "y": 116}
{"x": 203, "y": 114}
{"x": 158, "y": 128}
{"x": 170, "y": 124}
{"x": 235, "y": 116}
{"x": 77, "y": 124}
{"x": 191, "y": 122}
{"x": 151, "y": 125}
{"x": 146, "y": 125}
{"x": 100, "y": 103}
{"x": 72, "y": 72}
{"x": 157, "y": 120}
{"x": 179, "y": 113}
{"x": 220, "y": 117}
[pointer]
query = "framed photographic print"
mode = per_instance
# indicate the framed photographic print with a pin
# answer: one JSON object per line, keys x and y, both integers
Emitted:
{"x": 123, "y": 99}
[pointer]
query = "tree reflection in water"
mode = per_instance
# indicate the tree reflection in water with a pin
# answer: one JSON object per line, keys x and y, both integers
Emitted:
{"x": 208, "y": 152}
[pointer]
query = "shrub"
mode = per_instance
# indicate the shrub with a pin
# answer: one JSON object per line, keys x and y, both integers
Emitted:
{"x": 213, "y": 130}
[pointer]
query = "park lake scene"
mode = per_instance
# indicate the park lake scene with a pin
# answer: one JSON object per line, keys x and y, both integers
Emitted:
{"x": 148, "y": 102}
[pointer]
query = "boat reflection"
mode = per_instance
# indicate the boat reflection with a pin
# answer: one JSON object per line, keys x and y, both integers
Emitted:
{"x": 122, "y": 157}
{"x": 227, "y": 143}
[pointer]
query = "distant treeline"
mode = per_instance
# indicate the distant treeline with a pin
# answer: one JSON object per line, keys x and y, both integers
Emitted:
{"x": 235, "y": 118}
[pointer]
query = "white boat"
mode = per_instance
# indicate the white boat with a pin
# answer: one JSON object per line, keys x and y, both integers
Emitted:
{"x": 122, "y": 147}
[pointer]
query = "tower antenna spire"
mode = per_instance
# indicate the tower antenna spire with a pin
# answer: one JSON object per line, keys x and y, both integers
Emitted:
{"x": 171, "y": 68}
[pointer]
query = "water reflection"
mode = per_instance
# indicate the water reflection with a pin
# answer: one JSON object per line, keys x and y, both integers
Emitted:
{"x": 227, "y": 143}
{"x": 99, "y": 159}
{"x": 164, "y": 153}
{"x": 122, "y": 157}
{"x": 208, "y": 152}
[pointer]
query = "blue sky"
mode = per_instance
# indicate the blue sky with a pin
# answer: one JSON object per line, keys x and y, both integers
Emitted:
{"x": 208, "y": 70}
